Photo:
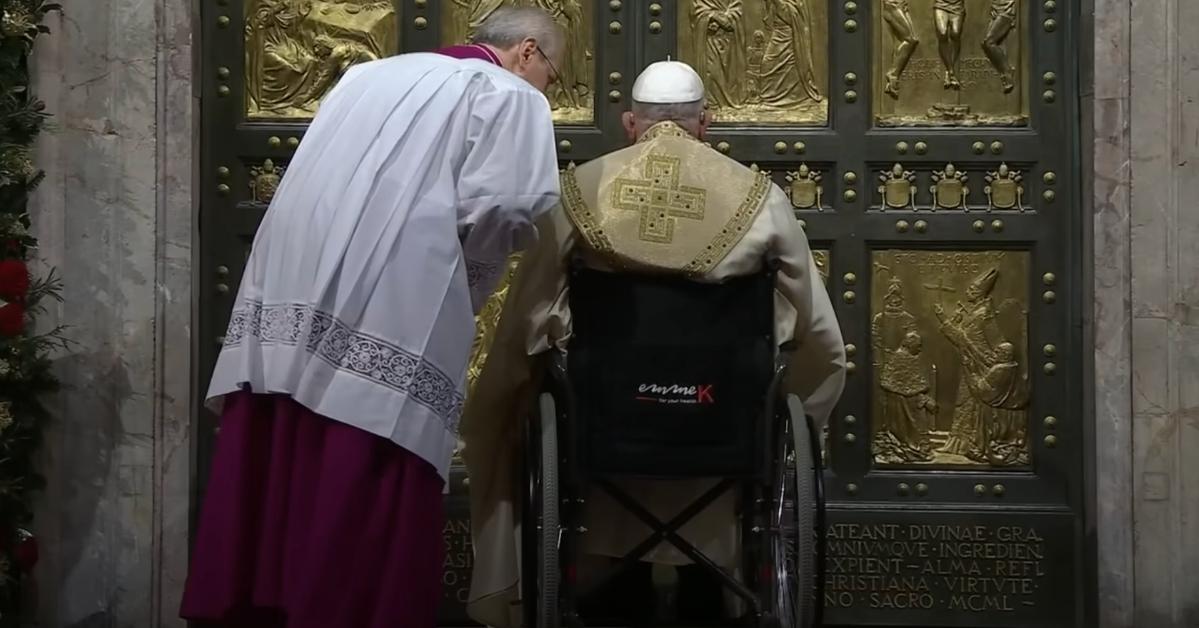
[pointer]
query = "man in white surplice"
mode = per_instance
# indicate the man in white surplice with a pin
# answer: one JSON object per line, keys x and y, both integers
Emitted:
{"x": 343, "y": 370}
{"x": 667, "y": 121}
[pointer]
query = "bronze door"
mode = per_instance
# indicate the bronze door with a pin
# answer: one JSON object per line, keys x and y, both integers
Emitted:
{"x": 930, "y": 148}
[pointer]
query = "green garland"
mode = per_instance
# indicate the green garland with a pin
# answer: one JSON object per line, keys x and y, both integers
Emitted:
{"x": 25, "y": 367}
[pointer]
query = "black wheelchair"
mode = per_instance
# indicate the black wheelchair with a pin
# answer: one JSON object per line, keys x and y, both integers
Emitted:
{"x": 667, "y": 378}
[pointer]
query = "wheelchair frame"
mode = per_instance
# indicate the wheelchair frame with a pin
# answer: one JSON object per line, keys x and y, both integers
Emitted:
{"x": 780, "y": 561}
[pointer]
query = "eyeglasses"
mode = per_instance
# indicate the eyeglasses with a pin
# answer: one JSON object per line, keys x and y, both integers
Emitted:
{"x": 553, "y": 69}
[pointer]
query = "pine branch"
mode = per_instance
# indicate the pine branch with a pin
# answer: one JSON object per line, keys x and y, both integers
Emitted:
{"x": 25, "y": 367}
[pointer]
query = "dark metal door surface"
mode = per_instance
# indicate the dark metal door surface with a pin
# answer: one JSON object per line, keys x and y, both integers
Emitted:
{"x": 930, "y": 148}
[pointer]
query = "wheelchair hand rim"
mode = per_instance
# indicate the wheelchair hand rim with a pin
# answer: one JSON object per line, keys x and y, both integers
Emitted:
{"x": 784, "y": 549}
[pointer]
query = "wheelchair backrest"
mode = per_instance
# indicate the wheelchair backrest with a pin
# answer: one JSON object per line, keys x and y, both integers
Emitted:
{"x": 670, "y": 376}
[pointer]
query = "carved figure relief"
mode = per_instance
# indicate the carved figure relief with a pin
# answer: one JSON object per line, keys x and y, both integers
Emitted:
{"x": 758, "y": 59}
{"x": 898, "y": 16}
{"x": 572, "y": 92}
{"x": 296, "y": 50}
{"x": 485, "y": 323}
{"x": 572, "y": 95}
{"x": 895, "y": 347}
{"x": 1003, "y": 21}
{"x": 719, "y": 54}
{"x": 950, "y": 16}
{"x": 949, "y": 349}
{"x": 909, "y": 408}
{"x": 972, "y": 76}
{"x": 788, "y": 71}
{"x": 888, "y": 327}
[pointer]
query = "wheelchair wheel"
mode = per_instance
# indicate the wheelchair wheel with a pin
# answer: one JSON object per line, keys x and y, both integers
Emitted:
{"x": 794, "y": 522}
{"x": 544, "y": 535}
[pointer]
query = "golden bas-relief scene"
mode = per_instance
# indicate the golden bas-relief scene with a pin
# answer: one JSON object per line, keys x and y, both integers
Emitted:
{"x": 949, "y": 346}
{"x": 296, "y": 50}
{"x": 572, "y": 96}
{"x": 763, "y": 61}
{"x": 486, "y": 322}
{"x": 950, "y": 63}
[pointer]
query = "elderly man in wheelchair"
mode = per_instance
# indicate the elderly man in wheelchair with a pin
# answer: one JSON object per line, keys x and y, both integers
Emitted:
{"x": 653, "y": 396}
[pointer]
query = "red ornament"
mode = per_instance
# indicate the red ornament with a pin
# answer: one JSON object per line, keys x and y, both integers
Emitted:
{"x": 14, "y": 280}
{"x": 12, "y": 319}
{"x": 26, "y": 552}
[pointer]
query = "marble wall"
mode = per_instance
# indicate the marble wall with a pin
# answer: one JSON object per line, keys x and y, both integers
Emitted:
{"x": 1106, "y": 108}
{"x": 115, "y": 217}
{"x": 1146, "y": 311}
{"x": 1164, "y": 253}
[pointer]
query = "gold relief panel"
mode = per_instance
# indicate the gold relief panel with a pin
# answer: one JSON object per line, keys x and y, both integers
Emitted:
{"x": 485, "y": 323}
{"x": 821, "y": 256}
{"x": 949, "y": 345}
{"x": 572, "y": 95}
{"x": 762, "y": 61}
{"x": 950, "y": 63}
{"x": 296, "y": 50}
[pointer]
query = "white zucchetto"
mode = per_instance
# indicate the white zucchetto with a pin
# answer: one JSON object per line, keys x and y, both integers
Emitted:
{"x": 668, "y": 82}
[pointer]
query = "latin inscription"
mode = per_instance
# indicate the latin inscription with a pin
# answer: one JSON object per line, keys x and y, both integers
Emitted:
{"x": 934, "y": 566}
{"x": 949, "y": 569}
{"x": 456, "y": 566}
{"x": 966, "y": 262}
{"x": 974, "y": 70}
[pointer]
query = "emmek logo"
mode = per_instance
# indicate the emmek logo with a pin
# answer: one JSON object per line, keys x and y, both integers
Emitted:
{"x": 675, "y": 393}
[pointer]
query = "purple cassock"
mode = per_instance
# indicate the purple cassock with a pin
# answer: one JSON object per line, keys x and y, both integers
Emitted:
{"x": 308, "y": 522}
{"x": 472, "y": 51}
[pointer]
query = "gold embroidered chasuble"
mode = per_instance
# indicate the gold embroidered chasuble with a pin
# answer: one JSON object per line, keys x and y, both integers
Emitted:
{"x": 667, "y": 204}
{"x": 660, "y": 204}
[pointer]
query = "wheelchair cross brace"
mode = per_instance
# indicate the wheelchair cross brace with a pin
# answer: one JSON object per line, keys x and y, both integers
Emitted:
{"x": 668, "y": 532}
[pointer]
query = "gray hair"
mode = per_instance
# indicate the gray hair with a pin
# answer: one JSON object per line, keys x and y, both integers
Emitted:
{"x": 681, "y": 112}
{"x": 508, "y": 26}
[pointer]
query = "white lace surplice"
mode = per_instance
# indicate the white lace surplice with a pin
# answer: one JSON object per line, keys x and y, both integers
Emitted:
{"x": 416, "y": 180}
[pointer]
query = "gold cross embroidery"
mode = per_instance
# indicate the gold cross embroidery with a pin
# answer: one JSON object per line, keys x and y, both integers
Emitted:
{"x": 659, "y": 198}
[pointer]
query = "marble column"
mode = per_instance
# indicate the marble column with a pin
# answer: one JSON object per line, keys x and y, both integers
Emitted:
{"x": 1164, "y": 253}
{"x": 115, "y": 218}
{"x": 1111, "y": 328}
{"x": 1146, "y": 314}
